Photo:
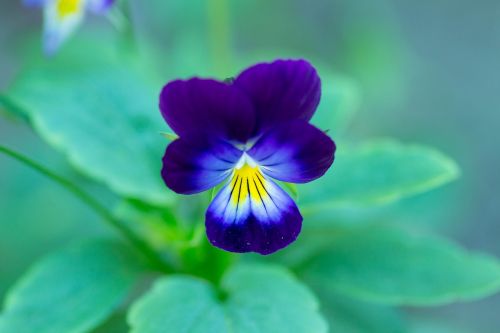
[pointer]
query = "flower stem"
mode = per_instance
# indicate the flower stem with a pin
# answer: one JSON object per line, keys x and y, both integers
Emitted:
{"x": 152, "y": 256}
{"x": 120, "y": 18}
{"x": 220, "y": 37}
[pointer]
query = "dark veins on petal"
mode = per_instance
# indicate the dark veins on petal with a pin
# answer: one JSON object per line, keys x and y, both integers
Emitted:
{"x": 264, "y": 111}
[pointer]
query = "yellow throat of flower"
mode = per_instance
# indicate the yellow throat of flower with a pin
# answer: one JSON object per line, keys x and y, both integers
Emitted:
{"x": 248, "y": 181}
{"x": 68, "y": 7}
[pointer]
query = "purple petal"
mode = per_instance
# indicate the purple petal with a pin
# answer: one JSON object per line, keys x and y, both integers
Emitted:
{"x": 207, "y": 106}
{"x": 194, "y": 165}
{"x": 252, "y": 214}
{"x": 281, "y": 91}
{"x": 99, "y": 6}
{"x": 295, "y": 152}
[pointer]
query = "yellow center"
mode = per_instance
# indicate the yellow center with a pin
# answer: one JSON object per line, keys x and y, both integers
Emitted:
{"x": 248, "y": 180}
{"x": 68, "y": 7}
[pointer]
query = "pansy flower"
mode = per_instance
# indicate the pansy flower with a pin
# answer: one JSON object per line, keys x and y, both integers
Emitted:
{"x": 62, "y": 17}
{"x": 246, "y": 134}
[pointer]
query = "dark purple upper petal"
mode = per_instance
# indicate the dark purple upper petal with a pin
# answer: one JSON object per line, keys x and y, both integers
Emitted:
{"x": 207, "y": 107}
{"x": 252, "y": 214}
{"x": 295, "y": 152}
{"x": 192, "y": 165}
{"x": 281, "y": 91}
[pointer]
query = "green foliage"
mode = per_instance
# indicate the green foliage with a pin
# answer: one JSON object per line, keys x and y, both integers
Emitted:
{"x": 340, "y": 99}
{"x": 387, "y": 264}
{"x": 115, "y": 324}
{"x": 103, "y": 114}
{"x": 100, "y": 110}
{"x": 71, "y": 291}
{"x": 377, "y": 172}
{"x": 252, "y": 298}
{"x": 347, "y": 315}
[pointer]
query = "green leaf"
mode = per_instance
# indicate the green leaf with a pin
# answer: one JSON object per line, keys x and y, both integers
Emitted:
{"x": 116, "y": 324}
{"x": 9, "y": 109}
{"x": 346, "y": 315}
{"x": 392, "y": 265}
{"x": 100, "y": 112}
{"x": 253, "y": 298}
{"x": 378, "y": 172}
{"x": 71, "y": 291}
{"x": 340, "y": 99}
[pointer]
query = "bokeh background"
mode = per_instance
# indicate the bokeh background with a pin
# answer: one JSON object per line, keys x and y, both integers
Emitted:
{"x": 427, "y": 72}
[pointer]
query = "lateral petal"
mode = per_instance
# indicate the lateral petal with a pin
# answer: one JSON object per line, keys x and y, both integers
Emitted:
{"x": 192, "y": 165}
{"x": 294, "y": 152}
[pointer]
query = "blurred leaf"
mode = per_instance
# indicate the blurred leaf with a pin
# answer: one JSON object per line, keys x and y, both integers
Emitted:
{"x": 377, "y": 172}
{"x": 29, "y": 224}
{"x": 115, "y": 324}
{"x": 156, "y": 225}
{"x": 340, "y": 99}
{"x": 394, "y": 266}
{"x": 10, "y": 110}
{"x": 254, "y": 298}
{"x": 102, "y": 114}
{"x": 346, "y": 315}
{"x": 71, "y": 291}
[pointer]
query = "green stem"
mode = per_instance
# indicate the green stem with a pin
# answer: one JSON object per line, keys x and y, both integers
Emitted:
{"x": 154, "y": 259}
{"x": 220, "y": 36}
{"x": 120, "y": 18}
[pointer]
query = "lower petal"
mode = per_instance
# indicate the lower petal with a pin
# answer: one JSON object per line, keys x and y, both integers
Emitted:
{"x": 252, "y": 214}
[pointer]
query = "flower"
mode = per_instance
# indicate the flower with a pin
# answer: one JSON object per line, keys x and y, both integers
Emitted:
{"x": 62, "y": 17}
{"x": 247, "y": 133}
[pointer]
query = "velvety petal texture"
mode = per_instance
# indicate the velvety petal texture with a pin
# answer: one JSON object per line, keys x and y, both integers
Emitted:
{"x": 246, "y": 133}
{"x": 252, "y": 214}
{"x": 294, "y": 152}
{"x": 207, "y": 106}
{"x": 281, "y": 91}
{"x": 195, "y": 164}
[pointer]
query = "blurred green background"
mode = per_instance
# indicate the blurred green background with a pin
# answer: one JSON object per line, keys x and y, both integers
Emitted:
{"x": 427, "y": 72}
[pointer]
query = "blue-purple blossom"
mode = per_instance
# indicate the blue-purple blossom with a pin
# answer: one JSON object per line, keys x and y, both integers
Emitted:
{"x": 62, "y": 17}
{"x": 246, "y": 134}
